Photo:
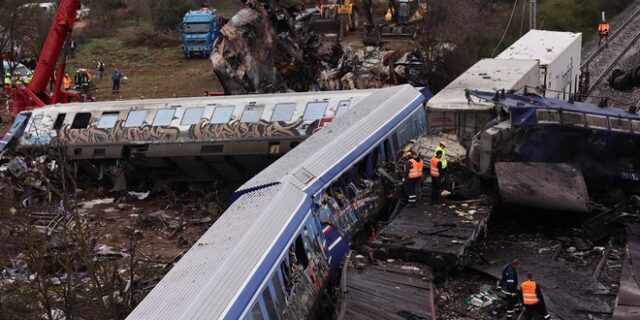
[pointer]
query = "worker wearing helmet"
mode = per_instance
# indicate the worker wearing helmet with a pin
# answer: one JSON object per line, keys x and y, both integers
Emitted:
{"x": 67, "y": 82}
{"x": 443, "y": 160}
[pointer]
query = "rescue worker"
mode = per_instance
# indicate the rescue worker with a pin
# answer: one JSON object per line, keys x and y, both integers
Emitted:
{"x": 100, "y": 67}
{"x": 116, "y": 76}
{"x": 67, "y": 82}
{"x": 509, "y": 286}
{"x": 435, "y": 168}
{"x": 412, "y": 177}
{"x": 443, "y": 176}
{"x": 603, "y": 31}
{"x": 7, "y": 79}
{"x": 533, "y": 300}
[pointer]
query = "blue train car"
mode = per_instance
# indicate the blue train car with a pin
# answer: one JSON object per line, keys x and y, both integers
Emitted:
{"x": 272, "y": 253}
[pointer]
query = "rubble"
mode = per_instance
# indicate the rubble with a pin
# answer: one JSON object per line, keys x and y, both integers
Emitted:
{"x": 263, "y": 49}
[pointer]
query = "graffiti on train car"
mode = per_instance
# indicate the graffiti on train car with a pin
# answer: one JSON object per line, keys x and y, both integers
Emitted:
{"x": 202, "y": 131}
{"x": 206, "y": 130}
{"x": 119, "y": 133}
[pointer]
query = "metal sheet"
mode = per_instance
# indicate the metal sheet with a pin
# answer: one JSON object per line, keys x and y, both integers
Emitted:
{"x": 557, "y": 186}
{"x": 628, "y": 302}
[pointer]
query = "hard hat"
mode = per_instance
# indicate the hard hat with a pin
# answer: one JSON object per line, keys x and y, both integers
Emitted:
{"x": 444, "y": 143}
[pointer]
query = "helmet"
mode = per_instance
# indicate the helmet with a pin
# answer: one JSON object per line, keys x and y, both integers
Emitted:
{"x": 443, "y": 143}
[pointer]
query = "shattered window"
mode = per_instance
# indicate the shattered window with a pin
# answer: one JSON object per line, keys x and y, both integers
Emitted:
{"x": 256, "y": 313}
{"x": 343, "y": 107}
{"x": 222, "y": 114}
{"x": 108, "y": 120}
{"x": 252, "y": 114}
{"x": 163, "y": 117}
{"x": 59, "y": 121}
{"x": 315, "y": 111}
{"x": 283, "y": 112}
{"x": 269, "y": 303}
{"x": 279, "y": 293}
{"x": 192, "y": 116}
{"x": 135, "y": 118}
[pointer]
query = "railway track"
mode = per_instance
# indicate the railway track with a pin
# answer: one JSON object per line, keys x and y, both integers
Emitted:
{"x": 603, "y": 60}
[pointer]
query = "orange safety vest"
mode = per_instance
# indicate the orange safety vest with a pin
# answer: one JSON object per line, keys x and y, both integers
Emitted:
{"x": 66, "y": 81}
{"x": 416, "y": 169}
{"x": 529, "y": 295}
{"x": 603, "y": 28}
{"x": 433, "y": 167}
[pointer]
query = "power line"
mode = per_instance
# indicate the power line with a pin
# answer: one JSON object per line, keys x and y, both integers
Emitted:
{"x": 515, "y": 4}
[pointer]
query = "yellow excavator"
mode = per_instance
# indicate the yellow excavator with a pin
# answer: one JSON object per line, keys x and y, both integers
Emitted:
{"x": 336, "y": 18}
{"x": 403, "y": 22}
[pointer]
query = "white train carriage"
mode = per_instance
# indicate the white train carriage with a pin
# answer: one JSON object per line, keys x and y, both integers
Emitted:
{"x": 274, "y": 250}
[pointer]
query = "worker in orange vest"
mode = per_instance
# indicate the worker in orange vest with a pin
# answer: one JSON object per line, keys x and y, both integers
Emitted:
{"x": 603, "y": 31}
{"x": 435, "y": 168}
{"x": 413, "y": 177}
{"x": 532, "y": 299}
{"x": 67, "y": 82}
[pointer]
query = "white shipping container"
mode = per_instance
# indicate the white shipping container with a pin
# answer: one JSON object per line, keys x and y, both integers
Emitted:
{"x": 450, "y": 111}
{"x": 559, "y": 56}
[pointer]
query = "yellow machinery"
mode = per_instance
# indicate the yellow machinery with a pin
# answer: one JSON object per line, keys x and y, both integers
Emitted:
{"x": 336, "y": 17}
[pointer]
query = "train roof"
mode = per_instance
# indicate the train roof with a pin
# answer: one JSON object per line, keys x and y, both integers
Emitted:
{"x": 201, "y": 285}
{"x": 543, "y": 45}
{"x": 517, "y": 101}
{"x": 316, "y": 160}
{"x": 486, "y": 74}
{"x": 215, "y": 100}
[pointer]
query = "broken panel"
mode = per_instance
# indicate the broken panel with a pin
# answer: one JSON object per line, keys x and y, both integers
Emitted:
{"x": 557, "y": 186}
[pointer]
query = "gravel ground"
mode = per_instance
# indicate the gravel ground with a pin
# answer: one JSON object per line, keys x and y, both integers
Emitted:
{"x": 621, "y": 99}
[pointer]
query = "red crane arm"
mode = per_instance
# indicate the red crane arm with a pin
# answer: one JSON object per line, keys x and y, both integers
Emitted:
{"x": 62, "y": 24}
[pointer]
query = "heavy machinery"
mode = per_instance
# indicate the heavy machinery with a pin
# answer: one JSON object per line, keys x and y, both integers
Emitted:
{"x": 199, "y": 29}
{"x": 34, "y": 94}
{"x": 402, "y": 23}
{"x": 337, "y": 17}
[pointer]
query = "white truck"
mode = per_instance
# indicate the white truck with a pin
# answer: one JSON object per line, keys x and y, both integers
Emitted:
{"x": 451, "y": 111}
{"x": 559, "y": 57}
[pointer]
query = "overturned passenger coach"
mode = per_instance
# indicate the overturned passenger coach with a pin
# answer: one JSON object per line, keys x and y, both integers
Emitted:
{"x": 228, "y": 138}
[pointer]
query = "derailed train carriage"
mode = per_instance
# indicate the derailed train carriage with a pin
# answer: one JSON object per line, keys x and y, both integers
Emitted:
{"x": 195, "y": 139}
{"x": 272, "y": 253}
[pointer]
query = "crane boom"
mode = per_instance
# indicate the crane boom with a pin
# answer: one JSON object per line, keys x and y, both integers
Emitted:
{"x": 34, "y": 94}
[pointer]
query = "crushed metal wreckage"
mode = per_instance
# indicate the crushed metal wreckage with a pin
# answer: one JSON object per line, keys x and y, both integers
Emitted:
{"x": 265, "y": 49}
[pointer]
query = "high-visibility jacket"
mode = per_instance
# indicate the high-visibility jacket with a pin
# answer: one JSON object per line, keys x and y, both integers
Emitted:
{"x": 529, "y": 293}
{"x": 67, "y": 82}
{"x": 416, "y": 169}
{"x": 443, "y": 159}
{"x": 433, "y": 167}
{"x": 603, "y": 28}
{"x": 7, "y": 79}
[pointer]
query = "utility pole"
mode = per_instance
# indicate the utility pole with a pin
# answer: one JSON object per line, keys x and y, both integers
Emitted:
{"x": 533, "y": 9}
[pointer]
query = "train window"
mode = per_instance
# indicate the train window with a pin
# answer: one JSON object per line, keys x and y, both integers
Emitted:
{"x": 222, "y": 114}
{"x": 301, "y": 254}
{"x": 192, "y": 116}
{"x": 252, "y": 114}
{"x": 343, "y": 107}
{"x": 279, "y": 292}
{"x": 135, "y": 118}
{"x": 256, "y": 313}
{"x": 163, "y": 117}
{"x": 81, "y": 120}
{"x": 108, "y": 120}
{"x": 59, "y": 121}
{"x": 283, "y": 112}
{"x": 314, "y": 111}
{"x": 269, "y": 303}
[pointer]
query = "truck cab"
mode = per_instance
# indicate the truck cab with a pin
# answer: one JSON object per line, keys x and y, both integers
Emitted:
{"x": 199, "y": 29}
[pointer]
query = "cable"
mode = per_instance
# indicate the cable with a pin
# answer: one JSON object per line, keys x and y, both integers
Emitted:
{"x": 515, "y": 4}
{"x": 524, "y": 10}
